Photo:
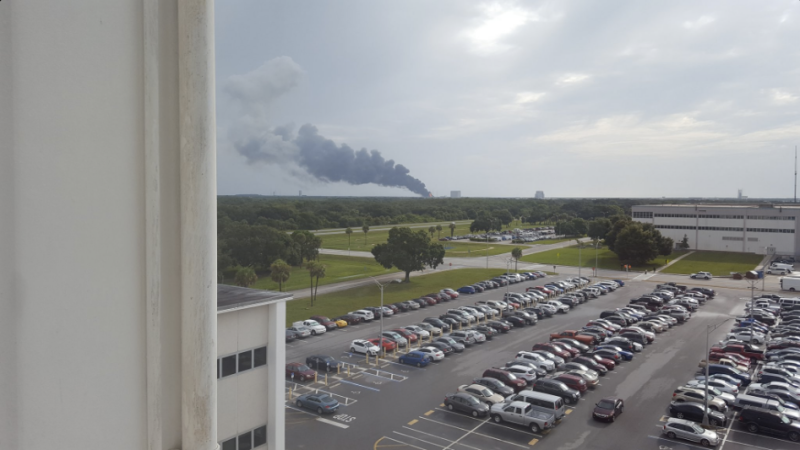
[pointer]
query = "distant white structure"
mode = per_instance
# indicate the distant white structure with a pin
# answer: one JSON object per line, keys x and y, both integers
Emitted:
{"x": 455, "y": 194}
{"x": 539, "y": 194}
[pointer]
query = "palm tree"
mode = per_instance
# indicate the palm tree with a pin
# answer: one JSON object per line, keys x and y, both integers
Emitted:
{"x": 431, "y": 230}
{"x": 245, "y": 277}
{"x": 516, "y": 253}
{"x": 348, "y": 231}
{"x": 439, "y": 231}
{"x": 319, "y": 272}
{"x": 452, "y": 228}
{"x": 365, "y": 229}
{"x": 280, "y": 272}
{"x": 311, "y": 266}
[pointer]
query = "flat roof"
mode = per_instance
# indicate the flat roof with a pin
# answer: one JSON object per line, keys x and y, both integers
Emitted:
{"x": 729, "y": 206}
{"x": 234, "y": 297}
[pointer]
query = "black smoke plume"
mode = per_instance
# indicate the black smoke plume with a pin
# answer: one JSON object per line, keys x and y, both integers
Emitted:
{"x": 326, "y": 161}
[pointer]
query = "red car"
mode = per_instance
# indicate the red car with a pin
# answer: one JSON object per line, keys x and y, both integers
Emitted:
{"x": 573, "y": 382}
{"x": 394, "y": 309}
{"x": 558, "y": 351}
{"x": 410, "y": 337}
{"x": 603, "y": 325}
{"x": 299, "y": 372}
{"x": 742, "y": 349}
{"x": 592, "y": 363}
{"x": 608, "y": 409}
{"x": 545, "y": 290}
{"x": 609, "y": 363}
{"x": 326, "y": 322}
{"x": 430, "y": 301}
{"x": 507, "y": 378}
{"x": 387, "y": 344}
{"x": 450, "y": 292}
{"x": 572, "y": 351}
{"x": 741, "y": 360}
{"x": 783, "y": 344}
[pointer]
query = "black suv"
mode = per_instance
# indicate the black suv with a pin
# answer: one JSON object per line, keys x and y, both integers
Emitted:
{"x": 557, "y": 388}
{"x": 761, "y": 420}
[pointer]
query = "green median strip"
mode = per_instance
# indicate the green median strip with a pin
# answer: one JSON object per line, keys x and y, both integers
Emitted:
{"x": 718, "y": 263}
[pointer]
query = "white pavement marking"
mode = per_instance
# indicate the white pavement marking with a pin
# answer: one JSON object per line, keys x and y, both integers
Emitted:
{"x": 438, "y": 437}
{"x": 675, "y": 441}
{"x": 330, "y": 422}
{"x": 727, "y": 432}
{"x": 418, "y": 439}
{"x": 751, "y": 445}
{"x": 483, "y": 421}
{"x": 300, "y": 410}
{"x": 463, "y": 436}
{"x": 401, "y": 442}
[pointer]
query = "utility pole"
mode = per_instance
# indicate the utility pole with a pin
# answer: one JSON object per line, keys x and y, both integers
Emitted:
{"x": 380, "y": 349}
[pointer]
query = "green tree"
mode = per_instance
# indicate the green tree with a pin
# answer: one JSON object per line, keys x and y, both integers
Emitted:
{"x": 485, "y": 222}
{"x": 684, "y": 244}
{"x": 431, "y": 230}
{"x": 452, "y": 228}
{"x": 665, "y": 244}
{"x": 598, "y": 228}
{"x": 365, "y": 229}
{"x": 310, "y": 266}
{"x": 439, "y": 231}
{"x": 408, "y": 251}
{"x": 617, "y": 225}
{"x": 319, "y": 272}
{"x": 516, "y": 253}
{"x": 504, "y": 217}
{"x": 245, "y": 277}
{"x": 578, "y": 226}
{"x": 348, "y": 231}
{"x": 308, "y": 244}
{"x": 316, "y": 271}
{"x": 635, "y": 244}
{"x": 280, "y": 272}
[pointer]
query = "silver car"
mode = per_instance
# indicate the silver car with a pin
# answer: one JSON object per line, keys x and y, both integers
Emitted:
{"x": 690, "y": 431}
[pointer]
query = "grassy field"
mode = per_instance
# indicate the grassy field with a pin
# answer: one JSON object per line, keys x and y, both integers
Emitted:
{"x": 357, "y": 241}
{"x": 606, "y": 259}
{"x": 551, "y": 241}
{"x": 718, "y": 263}
{"x": 339, "y": 268}
{"x": 463, "y": 249}
{"x": 338, "y": 303}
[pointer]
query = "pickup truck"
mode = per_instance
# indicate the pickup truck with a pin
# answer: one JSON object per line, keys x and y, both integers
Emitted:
{"x": 722, "y": 362}
{"x": 315, "y": 327}
{"x": 743, "y": 361}
{"x": 572, "y": 334}
{"x": 741, "y": 349}
{"x": 522, "y": 413}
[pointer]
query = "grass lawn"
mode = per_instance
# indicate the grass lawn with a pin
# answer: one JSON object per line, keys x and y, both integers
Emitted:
{"x": 477, "y": 249}
{"x": 718, "y": 263}
{"x": 551, "y": 241}
{"x": 339, "y": 268}
{"x": 338, "y": 303}
{"x": 358, "y": 243}
{"x": 606, "y": 259}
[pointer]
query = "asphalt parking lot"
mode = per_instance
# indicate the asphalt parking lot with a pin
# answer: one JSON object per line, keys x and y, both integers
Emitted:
{"x": 395, "y": 406}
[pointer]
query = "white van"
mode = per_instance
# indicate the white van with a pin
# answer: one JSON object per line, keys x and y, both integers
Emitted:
{"x": 774, "y": 266}
{"x": 778, "y": 271}
{"x": 541, "y": 401}
{"x": 790, "y": 284}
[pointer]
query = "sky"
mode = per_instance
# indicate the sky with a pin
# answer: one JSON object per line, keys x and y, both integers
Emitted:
{"x": 502, "y": 99}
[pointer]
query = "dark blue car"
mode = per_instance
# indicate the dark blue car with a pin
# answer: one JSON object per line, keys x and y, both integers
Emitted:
{"x": 620, "y": 283}
{"x": 626, "y": 355}
{"x": 415, "y": 358}
{"x": 466, "y": 290}
{"x": 321, "y": 403}
{"x": 742, "y": 376}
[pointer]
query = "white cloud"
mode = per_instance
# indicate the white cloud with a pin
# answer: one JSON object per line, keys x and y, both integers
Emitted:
{"x": 497, "y": 22}
{"x": 782, "y": 97}
{"x": 528, "y": 97}
{"x": 572, "y": 78}
{"x": 701, "y": 22}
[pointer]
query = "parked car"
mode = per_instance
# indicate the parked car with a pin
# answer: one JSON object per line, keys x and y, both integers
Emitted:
{"x": 506, "y": 377}
{"x": 694, "y": 412}
{"x": 482, "y": 393}
{"x": 364, "y": 346}
{"x": 466, "y": 290}
{"x": 457, "y": 346}
{"x": 557, "y": 388}
{"x": 299, "y": 372}
{"x": 322, "y": 403}
{"x": 573, "y": 382}
{"x": 523, "y": 414}
{"x": 323, "y": 362}
{"x": 761, "y": 420}
{"x": 326, "y": 322}
{"x": 415, "y": 358}
{"x": 466, "y": 403}
{"x": 291, "y": 336}
{"x": 434, "y": 353}
{"x": 494, "y": 385}
{"x": 702, "y": 275}
{"x": 684, "y": 429}
{"x": 608, "y": 409}
{"x": 387, "y": 344}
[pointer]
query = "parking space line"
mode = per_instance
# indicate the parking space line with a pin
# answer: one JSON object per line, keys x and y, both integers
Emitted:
{"x": 421, "y": 440}
{"x": 465, "y": 435}
{"x": 675, "y": 441}
{"x": 375, "y": 447}
{"x": 483, "y": 421}
{"x": 300, "y": 410}
{"x": 439, "y": 437}
{"x": 759, "y": 435}
{"x": 361, "y": 386}
{"x": 330, "y": 422}
{"x": 750, "y": 445}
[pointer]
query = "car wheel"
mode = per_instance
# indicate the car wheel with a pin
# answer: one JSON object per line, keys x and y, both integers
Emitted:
{"x": 352, "y": 350}
{"x": 753, "y": 428}
{"x": 474, "y": 413}
{"x": 319, "y": 410}
{"x": 705, "y": 443}
{"x": 534, "y": 428}
{"x": 419, "y": 364}
{"x": 313, "y": 332}
{"x": 450, "y": 406}
{"x": 613, "y": 418}
{"x": 497, "y": 419}
{"x": 794, "y": 437}
{"x": 299, "y": 404}
{"x": 671, "y": 435}
{"x": 679, "y": 415}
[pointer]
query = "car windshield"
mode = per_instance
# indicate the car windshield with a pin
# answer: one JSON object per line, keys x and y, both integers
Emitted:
{"x": 486, "y": 393}
{"x": 303, "y": 368}
{"x": 606, "y": 404}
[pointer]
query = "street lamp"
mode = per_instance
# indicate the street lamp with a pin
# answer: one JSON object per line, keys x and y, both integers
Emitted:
{"x": 580, "y": 259}
{"x": 596, "y": 245}
{"x": 381, "y": 335}
{"x": 709, "y": 329}
{"x": 508, "y": 269}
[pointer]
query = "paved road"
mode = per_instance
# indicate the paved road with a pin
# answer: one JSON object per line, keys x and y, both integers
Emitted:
{"x": 400, "y": 407}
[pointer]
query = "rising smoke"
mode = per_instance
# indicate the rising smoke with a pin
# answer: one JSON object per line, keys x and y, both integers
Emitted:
{"x": 317, "y": 156}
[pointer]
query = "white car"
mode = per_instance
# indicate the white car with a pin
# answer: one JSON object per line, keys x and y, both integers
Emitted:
{"x": 473, "y": 311}
{"x": 560, "y": 307}
{"x": 702, "y": 275}
{"x": 433, "y": 352}
{"x": 757, "y": 338}
{"x": 537, "y": 360}
{"x": 365, "y": 347}
{"x": 424, "y": 334}
{"x": 364, "y": 314}
{"x": 778, "y": 271}
{"x": 525, "y": 372}
{"x": 716, "y": 383}
{"x": 315, "y": 327}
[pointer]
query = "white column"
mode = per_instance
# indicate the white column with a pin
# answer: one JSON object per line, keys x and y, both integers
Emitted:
{"x": 198, "y": 224}
{"x": 276, "y": 359}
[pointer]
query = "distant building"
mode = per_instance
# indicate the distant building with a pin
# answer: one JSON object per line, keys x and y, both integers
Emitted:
{"x": 539, "y": 194}
{"x": 455, "y": 194}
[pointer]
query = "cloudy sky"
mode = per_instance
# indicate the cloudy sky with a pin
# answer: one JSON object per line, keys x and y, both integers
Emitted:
{"x": 501, "y": 99}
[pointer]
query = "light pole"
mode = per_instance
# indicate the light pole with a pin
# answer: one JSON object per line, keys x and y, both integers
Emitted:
{"x": 596, "y": 245}
{"x": 709, "y": 329}
{"x": 580, "y": 258}
{"x": 508, "y": 269}
{"x": 381, "y": 335}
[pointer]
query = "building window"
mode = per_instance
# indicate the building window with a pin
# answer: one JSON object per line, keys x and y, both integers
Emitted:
{"x": 228, "y": 365}
{"x": 245, "y": 361}
{"x": 732, "y": 238}
{"x": 260, "y": 435}
{"x": 246, "y": 441}
{"x": 230, "y": 444}
{"x": 260, "y": 357}
{"x": 752, "y": 239}
{"x": 643, "y": 214}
